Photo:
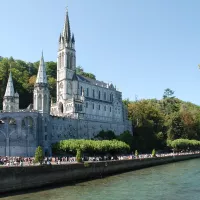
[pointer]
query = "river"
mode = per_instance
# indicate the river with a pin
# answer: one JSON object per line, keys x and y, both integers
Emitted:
{"x": 175, "y": 181}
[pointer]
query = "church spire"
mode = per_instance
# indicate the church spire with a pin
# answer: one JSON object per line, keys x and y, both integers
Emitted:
{"x": 66, "y": 29}
{"x": 73, "y": 39}
{"x": 9, "y": 89}
{"x": 41, "y": 76}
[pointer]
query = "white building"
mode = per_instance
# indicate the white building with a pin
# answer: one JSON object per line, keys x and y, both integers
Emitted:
{"x": 82, "y": 109}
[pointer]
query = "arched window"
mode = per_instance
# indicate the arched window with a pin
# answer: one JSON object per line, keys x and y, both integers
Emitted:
{"x": 68, "y": 60}
{"x": 105, "y": 96}
{"x": 71, "y": 61}
{"x": 81, "y": 91}
{"x": 111, "y": 97}
{"x": 7, "y": 108}
{"x": 62, "y": 59}
{"x": 60, "y": 107}
{"x": 99, "y": 95}
{"x": 93, "y": 93}
{"x": 45, "y": 103}
{"x": 88, "y": 92}
{"x": 39, "y": 102}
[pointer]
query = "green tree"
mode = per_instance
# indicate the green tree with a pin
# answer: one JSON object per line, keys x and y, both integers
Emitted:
{"x": 79, "y": 155}
{"x": 153, "y": 153}
{"x": 168, "y": 93}
{"x": 127, "y": 138}
{"x": 39, "y": 155}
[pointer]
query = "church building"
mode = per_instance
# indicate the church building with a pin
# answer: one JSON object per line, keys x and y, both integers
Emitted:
{"x": 83, "y": 107}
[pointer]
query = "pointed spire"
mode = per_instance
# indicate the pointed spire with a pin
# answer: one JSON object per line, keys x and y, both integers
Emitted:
{"x": 73, "y": 39}
{"x": 41, "y": 76}
{"x": 9, "y": 89}
{"x": 66, "y": 30}
{"x": 60, "y": 37}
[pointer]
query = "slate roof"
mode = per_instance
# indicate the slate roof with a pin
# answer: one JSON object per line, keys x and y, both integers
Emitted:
{"x": 92, "y": 81}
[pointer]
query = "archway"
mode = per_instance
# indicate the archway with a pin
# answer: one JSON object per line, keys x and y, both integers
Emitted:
{"x": 60, "y": 107}
{"x": 28, "y": 135}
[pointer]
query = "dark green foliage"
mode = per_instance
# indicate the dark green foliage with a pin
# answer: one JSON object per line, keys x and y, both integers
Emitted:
{"x": 127, "y": 138}
{"x": 156, "y": 121}
{"x": 168, "y": 93}
{"x": 39, "y": 155}
{"x": 106, "y": 135}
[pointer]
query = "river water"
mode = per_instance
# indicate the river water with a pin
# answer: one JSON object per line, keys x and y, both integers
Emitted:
{"x": 175, "y": 181}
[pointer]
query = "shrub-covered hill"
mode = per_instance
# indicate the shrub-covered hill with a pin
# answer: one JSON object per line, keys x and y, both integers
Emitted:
{"x": 24, "y": 76}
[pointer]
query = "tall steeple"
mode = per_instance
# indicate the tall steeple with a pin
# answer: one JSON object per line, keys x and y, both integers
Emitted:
{"x": 66, "y": 29}
{"x": 41, "y": 76}
{"x": 66, "y": 63}
{"x": 11, "y": 99}
{"x": 9, "y": 89}
{"x": 41, "y": 91}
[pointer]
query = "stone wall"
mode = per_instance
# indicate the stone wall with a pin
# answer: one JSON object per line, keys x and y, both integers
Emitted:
{"x": 16, "y": 178}
{"x": 66, "y": 128}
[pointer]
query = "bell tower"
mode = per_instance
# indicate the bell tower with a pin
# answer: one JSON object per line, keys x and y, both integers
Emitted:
{"x": 66, "y": 62}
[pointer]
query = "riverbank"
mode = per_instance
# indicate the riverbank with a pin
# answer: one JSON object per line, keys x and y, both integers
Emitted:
{"x": 20, "y": 178}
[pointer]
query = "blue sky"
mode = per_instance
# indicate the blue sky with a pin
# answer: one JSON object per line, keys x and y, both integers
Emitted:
{"x": 142, "y": 47}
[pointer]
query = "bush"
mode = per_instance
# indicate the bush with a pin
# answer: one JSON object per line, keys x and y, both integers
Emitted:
{"x": 39, "y": 156}
{"x": 136, "y": 153}
{"x": 86, "y": 164}
{"x": 78, "y": 155}
{"x": 153, "y": 153}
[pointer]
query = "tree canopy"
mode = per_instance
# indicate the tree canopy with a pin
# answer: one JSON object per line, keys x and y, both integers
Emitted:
{"x": 156, "y": 121}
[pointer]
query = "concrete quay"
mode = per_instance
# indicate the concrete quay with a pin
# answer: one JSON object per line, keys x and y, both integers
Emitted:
{"x": 21, "y": 178}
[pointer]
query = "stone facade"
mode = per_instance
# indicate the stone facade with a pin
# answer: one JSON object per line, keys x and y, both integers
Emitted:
{"x": 83, "y": 107}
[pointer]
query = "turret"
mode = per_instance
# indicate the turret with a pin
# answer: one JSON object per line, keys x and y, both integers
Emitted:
{"x": 11, "y": 99}
{"x": 41, "y": 91}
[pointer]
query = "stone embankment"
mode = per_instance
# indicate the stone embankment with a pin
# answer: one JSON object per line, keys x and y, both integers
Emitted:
{"x": 20, "y": 178}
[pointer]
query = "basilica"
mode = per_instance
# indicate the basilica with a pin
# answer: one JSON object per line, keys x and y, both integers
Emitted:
{"x": 83, "y": 107}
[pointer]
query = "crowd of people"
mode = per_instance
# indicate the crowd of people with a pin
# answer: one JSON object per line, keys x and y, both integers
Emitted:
{"x": 29, "y": 161}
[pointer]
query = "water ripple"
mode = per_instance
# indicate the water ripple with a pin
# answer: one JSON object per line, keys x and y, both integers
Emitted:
{"x": 176, "y": 181}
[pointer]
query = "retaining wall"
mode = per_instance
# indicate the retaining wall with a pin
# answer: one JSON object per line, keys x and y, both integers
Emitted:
{"x": 19, "y": 178}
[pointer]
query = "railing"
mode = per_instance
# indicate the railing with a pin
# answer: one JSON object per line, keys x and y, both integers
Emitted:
{"x": 21, "y": 110}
